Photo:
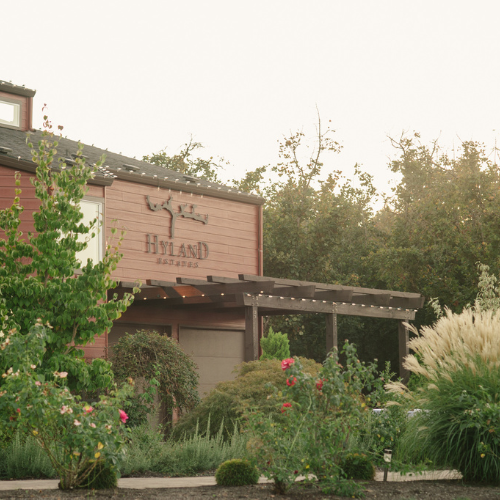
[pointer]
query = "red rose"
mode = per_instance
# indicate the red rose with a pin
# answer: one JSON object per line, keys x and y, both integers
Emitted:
{"x": 286, "y": 363}
{"x": 291, "y": 382}
{"x": 319, "y": 385}
{"x": 285, "y": 406}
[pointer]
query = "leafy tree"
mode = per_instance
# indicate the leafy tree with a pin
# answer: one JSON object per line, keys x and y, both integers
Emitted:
{"x": 275, "y": 346}
{"x": 441, "y": 221}
{"x": 316, "y": 230}
{"x": 37, "y": 272}
{"x": 185, "y": 163}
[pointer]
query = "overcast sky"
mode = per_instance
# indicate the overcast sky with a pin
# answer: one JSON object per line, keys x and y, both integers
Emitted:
{"x": 137, "y": 76}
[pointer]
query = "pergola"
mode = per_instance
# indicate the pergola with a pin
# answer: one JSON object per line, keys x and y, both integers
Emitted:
{"x": 258, "y": 296}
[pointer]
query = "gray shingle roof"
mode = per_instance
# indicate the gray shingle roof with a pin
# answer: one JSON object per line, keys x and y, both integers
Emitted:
{"x": 122, "y": 167}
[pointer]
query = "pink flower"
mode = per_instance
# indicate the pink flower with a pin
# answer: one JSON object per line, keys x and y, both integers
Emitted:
{"x": 76, "y": 422}
{"x": 92, "y": 425}
{"x": 63, "y": 374}
{"x": 18, "y": 410}
{"x": 88, "y": 409}
{"x": 286, "y": 363}
{"x": 123, "y": 416}
{"x": 290, "y": 382}
{"x": 285, "y": 406}
{"x": 38, "y": 383}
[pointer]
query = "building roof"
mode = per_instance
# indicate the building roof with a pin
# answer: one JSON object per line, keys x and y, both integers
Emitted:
{"x": 16, "y": 89}
{"x": 15, "y": 152}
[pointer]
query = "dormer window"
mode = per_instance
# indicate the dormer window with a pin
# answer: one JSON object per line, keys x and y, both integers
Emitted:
{"x": 10, "y": 112}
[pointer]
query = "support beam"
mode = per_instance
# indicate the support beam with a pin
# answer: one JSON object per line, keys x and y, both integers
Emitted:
{"x": 331, "y": 332}
{"x": 404, "y": 350}
{"x": 251, "y": 333}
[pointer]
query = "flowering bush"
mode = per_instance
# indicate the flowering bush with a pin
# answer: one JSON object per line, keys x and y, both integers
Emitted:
{"x": 75, "y": 436}
{"x": 317, "y": 418}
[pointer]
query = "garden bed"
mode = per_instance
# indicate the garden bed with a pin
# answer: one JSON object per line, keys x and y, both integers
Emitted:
{"x": 429, "y": 490}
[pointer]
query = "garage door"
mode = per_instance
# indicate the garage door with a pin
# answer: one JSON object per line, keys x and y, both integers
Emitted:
{"x": 216, "y": 352}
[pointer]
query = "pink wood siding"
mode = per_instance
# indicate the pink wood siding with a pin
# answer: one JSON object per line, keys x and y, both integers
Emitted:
{"x": 152, "y": 312}
{"x": 231, "y": 233}
{"x": 28, "y": 200}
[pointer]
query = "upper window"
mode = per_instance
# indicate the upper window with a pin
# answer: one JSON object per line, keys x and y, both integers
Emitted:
{"x": 94, "y": 251}
{"x": 10, "y": 113}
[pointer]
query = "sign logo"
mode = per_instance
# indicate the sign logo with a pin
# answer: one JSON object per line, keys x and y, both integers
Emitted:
{"x": 167, "y": 205}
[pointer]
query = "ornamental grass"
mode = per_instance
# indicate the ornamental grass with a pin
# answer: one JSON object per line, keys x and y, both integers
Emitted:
{"x": 459, "y": 359}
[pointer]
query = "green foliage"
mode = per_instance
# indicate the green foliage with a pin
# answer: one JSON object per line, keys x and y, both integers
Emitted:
{"x": 186, "y": 164}
{"x": 74, "y": 436}
{"x": 358, "y": 466}
{"x": 102, "y": 477}
{"x": 318, "y": 416}
{"x": 441, "y": 221}
{"x": 236, "y": 472}
{"x": 161, "y": 362}
{"x": 22, "y": 457}
{"x": 316, "y": 229}
{"x": 225, "y": 404}
{"x": 275, "y": 346}
{"x": 148, "y": 451}
{"x": 37, "y": 275}
{"x": 458, "y": 358}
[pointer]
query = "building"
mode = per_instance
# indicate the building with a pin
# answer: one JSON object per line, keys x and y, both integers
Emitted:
{"x": 195, "y": 246}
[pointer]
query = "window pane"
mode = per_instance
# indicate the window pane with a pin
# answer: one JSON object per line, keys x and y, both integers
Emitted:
{"x": 91, "y": 210}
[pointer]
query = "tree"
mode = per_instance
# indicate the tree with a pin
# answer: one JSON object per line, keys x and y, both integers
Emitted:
{"x": 316, "y": 230}
{"x": 185, "y": 163}
{"x": 441, "y": 221}
{"x": 37, "y": 272}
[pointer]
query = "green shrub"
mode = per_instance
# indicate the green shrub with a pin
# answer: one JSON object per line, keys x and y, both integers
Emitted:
{"x": 275, "y": 346}
{"x": 236, "y": 472}
{"x": 358, "y": 466}
{"x": 225, "y": 404}
{"x": 102, "y": 477}
{"x": 161, "y": 363}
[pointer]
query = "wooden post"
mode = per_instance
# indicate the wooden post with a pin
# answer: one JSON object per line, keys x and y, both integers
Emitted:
{"x": 403, "y": 335}
{"x": 331, "y": 331}
{"x": 251, "y": 333}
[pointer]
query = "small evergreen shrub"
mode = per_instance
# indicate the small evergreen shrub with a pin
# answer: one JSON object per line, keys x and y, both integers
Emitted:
{"x": 102, "y": 477}
{"x": 236, "y": 472}
{"x": 358, "y": 466}
{"x": 275, "y": 346}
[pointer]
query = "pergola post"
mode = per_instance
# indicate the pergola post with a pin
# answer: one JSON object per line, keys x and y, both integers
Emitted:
{"x": 251, "y": 333}
{"x": 331, "y": 331}
{"x": 403, "y": 336}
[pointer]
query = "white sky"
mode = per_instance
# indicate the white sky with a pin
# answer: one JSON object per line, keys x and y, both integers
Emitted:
{"x": 135, "y": 77}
